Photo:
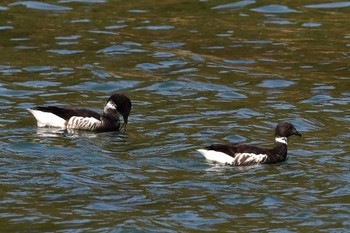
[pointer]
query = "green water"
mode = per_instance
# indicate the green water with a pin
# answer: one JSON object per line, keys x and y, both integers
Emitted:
{"x": 197, "y": 72}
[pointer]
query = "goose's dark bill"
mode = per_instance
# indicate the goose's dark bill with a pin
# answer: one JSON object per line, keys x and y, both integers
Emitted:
{"x": 123, "y": 105}
{"x": 123, "y": 127}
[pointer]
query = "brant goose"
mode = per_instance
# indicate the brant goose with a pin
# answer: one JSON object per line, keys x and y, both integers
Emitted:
{"x": 84, "y": 119}
{"x": 241, "y": 154}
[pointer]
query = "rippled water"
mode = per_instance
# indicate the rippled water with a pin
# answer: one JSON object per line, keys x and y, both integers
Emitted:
{"x": 198, "y": 72}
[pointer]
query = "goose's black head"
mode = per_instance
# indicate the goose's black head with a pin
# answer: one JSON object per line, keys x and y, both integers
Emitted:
{"x": 120, "y": 103}
{"x": 286, "y": 129}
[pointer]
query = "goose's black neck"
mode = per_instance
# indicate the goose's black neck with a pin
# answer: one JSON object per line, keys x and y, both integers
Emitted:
{"x": 110, "y": 120}
{"x": 280, "y": 148}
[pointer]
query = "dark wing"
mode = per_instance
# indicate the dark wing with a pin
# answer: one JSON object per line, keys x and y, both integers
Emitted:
{"x": 67, "y": 113}
{"x": 228, "y": 149}
{"x": 232, "y": 149}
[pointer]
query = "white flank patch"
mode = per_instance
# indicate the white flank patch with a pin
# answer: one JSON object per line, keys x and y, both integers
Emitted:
{"x": 248, "y": 158}
{"x": 283, "y": 140}
{"x": 47, "y": 119}
{"x": 239, "y": 159}
{"x": 216, "y": 156}
{"x": 88, "y": 123}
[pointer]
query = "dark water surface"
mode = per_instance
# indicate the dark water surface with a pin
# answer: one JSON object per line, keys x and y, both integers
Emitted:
{"x": 198, "y": 72}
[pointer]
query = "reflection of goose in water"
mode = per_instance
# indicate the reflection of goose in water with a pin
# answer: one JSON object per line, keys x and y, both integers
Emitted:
{"x": 84, "y": 119}
{"x": 57, "y": 132}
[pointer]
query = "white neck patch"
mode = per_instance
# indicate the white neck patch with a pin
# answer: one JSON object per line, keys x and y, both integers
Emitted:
{"x": 283, "y": 140}
{"x": 110, "y": 105}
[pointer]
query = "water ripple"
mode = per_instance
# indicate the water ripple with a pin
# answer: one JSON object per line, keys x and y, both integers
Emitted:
{"x": 38, "y": 84}
{"x": 41, "y": 6}
{"x": 161, "y": 65}
{"x": 108, "y": 86}
{"x": 65, "y": 51}
{"x": 276, "y": 83}
{"x": 274, "y": 9}
{"x": 5, "y": 27}
{"x": 83, "y": 1}
{"x": 328, "y": 5}
{"x": 126, "y": 48}
{"x": 155, "y": 28}
{"x": 234, "y": 5}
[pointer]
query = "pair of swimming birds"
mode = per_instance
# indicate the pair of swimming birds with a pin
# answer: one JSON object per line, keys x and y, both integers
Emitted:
{"x": 230, "y": 154}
